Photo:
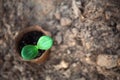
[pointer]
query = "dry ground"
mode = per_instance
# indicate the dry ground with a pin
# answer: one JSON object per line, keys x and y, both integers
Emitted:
{"x": 86, "y": 39}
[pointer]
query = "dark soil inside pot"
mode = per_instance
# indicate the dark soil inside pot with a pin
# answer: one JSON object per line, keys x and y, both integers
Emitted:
{"x": 30, "y": 38}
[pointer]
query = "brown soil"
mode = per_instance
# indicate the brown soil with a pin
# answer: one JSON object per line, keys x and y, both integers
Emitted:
{"x": 86, "y": 39}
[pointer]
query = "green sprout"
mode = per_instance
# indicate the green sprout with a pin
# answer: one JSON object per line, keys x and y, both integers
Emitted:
{"x": 45, "y": 42}
{"x": 31, "y": 51}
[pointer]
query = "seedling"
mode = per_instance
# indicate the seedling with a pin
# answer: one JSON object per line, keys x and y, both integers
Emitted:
{"x": 31, "y": 51}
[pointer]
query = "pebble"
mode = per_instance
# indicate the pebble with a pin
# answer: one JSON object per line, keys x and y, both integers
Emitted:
{"x": 48, "y": 78}
{"x": 89, "y": 59}
{"x": 57, "y": 16}
{"x": 75, "y": 31}
{"x": 62, "y": 65}
{"x": 107, "y": 15}
{"x": 69, "y": 38}
{"x": 65, "y": 21}
{"x": 75, "y": 8}
{"x": 68, "y": 51}
{"x": 18, "y": 67}
{"x": 107, "y": 61}
{"x": 58, "y": 38}
{"x": 19, "y": 9}
{"x": 118, "y": 27}
{"x": 59, "y": 27}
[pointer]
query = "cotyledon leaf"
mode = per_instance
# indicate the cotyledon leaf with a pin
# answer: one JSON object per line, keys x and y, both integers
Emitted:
{"x": 29, "y": 52}
{"x": 45, "y": 43}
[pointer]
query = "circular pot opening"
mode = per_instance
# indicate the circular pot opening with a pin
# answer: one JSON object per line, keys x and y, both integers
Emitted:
{"x": 30, "y": 36}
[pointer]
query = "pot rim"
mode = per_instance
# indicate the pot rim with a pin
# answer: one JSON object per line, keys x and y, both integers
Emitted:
{"x": 21, "y": 34}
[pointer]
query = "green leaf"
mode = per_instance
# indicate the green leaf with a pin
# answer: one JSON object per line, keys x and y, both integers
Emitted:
{"x": 29, "y": 52}
{"x": 45, "y": 43}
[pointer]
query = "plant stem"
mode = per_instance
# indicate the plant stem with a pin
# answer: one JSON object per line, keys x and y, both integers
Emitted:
{"x": 36, "y": 46}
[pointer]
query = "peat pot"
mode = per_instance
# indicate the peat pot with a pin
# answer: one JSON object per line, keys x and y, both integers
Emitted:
{"x": 30, "y": 35}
